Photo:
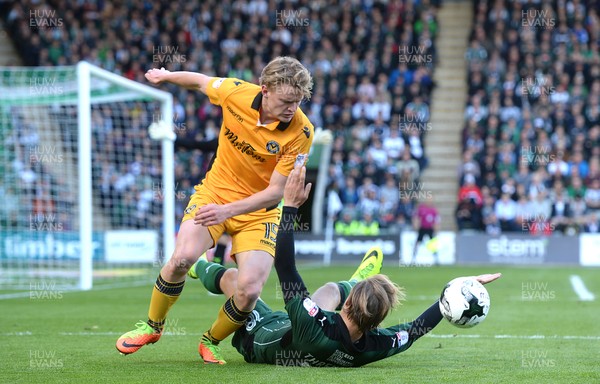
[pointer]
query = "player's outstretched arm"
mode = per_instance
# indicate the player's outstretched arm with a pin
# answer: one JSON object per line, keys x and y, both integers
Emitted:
{"x": 487, "y": 277}
{"x": 190, "y": 80}
{"x": 432, "y": 316}
{"x": 295, "y": 195}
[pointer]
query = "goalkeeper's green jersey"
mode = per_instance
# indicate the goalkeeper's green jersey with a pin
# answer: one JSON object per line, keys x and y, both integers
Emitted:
{"x": 306, "y": 335}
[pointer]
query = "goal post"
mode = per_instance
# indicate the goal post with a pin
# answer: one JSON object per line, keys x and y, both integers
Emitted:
{"x": 86, "y": 197}
{"x": 84, "y": 105}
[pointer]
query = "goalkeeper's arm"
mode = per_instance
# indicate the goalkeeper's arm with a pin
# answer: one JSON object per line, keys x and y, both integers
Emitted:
{"x": 204, "y": 146}
{"x": 432, "y": 316}
{"x": 190, "y": 80}
{"x": 425, "y": 322}
{"x": 295, "y": 194}
{"x": 161, "y": 130}
{"x": 285, "y": 260}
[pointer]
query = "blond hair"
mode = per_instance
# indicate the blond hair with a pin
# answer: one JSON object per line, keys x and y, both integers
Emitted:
{"x": 371, "y": 300}
{"x": 287, "y": 70}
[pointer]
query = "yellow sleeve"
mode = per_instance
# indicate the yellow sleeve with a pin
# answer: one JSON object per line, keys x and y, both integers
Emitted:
{"x": 297, "y": 150}
{"x": 219, "y": 88}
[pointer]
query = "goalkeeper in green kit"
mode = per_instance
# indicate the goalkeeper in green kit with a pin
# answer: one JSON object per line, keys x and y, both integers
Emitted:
{"x": 310, "y": 332}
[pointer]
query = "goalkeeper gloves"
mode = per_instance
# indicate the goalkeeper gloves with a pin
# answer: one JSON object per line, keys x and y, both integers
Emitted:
{"x": 161, "y": 130}
{"x": 323, "y": 136}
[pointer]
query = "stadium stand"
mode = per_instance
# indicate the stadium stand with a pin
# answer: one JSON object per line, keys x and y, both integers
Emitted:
{"x": 531, "y": 124}
{"x": 370, "y": 98}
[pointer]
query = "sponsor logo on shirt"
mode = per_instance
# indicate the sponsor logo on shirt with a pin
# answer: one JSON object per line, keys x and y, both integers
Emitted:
{"x": 217, "y": 83}
{"x": 311, "y": 307}
{"x": 341, "y": 358}
{"x": 243, "y": 147}
{"x": 300, "y": 159}
{"x": 402, "y": 337}
{"x": 267, "y": 243}
{"x": 189, "y": 209}
{"x": 322, "y": 320}
{"x": 237, "y": 116}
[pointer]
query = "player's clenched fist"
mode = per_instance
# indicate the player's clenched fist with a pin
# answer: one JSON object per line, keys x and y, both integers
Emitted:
{"x": 156, "y": 76}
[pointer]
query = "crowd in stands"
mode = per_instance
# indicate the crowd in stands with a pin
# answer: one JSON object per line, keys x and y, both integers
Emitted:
{"x": 531, "y": 157}
{"x": 126, "y": 183}
{"x": 40, "y": 171}
{"x": 33, "y": 197}
{"x": 372, "y": 64}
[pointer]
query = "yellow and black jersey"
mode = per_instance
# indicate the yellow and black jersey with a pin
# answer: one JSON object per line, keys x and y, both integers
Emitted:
{"x": 249, "y": 152}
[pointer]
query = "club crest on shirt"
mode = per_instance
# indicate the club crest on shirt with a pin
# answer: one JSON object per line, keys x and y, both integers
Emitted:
{"x": 311, "y": 307}
{"x": 273, "y": 147}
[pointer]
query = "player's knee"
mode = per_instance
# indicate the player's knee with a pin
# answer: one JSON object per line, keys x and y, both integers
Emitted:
{"x": 230, "y": 274}
{"x": 181, "y": 261}
{"x": 247, "y": 295}
{"x": 331, "y": 288}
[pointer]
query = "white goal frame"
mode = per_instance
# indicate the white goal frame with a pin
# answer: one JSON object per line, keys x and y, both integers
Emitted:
{"x": 85, "y": 71}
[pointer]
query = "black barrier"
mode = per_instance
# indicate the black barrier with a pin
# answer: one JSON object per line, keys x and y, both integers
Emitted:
{"x": 346, "y": 249}
{"x": 516, "y": 249}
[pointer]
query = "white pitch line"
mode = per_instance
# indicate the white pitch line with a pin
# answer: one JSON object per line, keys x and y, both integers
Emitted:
{"x": 435, "y": 336}
{"x": 103, "y": 287}
{"x": 17, "y": 295}
{"x": 24, "y": 333}
{"x": 580, "y": 289}
{"x": 528, "y": 337}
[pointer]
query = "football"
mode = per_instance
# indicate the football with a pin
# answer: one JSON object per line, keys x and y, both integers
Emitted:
{"x": 464, "y": 302}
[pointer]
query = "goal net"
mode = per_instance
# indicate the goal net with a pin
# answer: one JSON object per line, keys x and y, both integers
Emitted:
{"x": 84, "y": 196}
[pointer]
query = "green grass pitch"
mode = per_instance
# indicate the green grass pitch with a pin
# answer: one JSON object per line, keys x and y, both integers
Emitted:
{"x": 537, "y": 331}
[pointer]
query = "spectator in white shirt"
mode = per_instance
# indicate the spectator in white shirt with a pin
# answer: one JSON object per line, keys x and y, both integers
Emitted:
{"x": 592, "y": 196}
{"x": 557, "y": 166}
{"x": 394, "y": 145}
{"x": 361, "y": 107}
{"x": 506, "y": 212}
{"x": 377, "y": 152}
{"x": 476, "y": 111}
{"x": 369, "y": 203}
{"x": 540, "y": 207}
{"x": 380, "y": 108}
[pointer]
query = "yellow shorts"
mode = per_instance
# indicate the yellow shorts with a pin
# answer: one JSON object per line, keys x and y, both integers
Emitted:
{"x": 255, "y": 231}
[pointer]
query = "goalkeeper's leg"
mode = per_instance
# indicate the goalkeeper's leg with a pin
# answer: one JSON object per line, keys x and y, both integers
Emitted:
{"x": 192, "y": 241}
{"x": 216, "y": 278}
{"x": 219, "y": 255}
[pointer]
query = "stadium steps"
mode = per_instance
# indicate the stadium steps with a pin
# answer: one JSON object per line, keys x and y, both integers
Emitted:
{"x": 443, "y": 141}
{"x": 8, "y": 54}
